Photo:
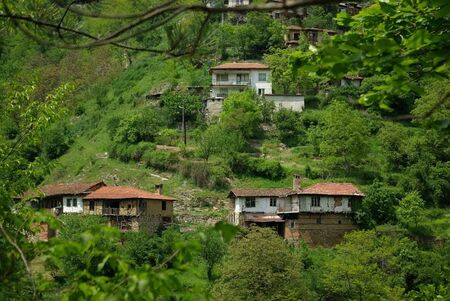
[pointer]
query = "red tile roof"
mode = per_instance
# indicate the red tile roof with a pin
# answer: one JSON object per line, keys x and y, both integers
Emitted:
{"x": 259, "y": 192}
{"x": 229, "y": 66}
{"x": 344, "y": 189}
{"x": 125, "y": 192}
{"x": 340, "y": 189}
{"x": 65, "y": 189}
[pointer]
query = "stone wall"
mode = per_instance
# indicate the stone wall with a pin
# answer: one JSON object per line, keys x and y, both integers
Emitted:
{"x": 319, "y": 229}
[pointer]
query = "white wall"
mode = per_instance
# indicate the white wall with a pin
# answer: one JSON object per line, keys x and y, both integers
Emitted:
{"x": 290, "y": 102}
{"x": 327, "y": 204}
{"x": 233, "y": 3}
{"x": 232, "y": 80}
{"x": 71, "y": 209}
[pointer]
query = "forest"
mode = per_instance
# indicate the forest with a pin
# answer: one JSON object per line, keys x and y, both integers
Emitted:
{"x": 115, "y": 90}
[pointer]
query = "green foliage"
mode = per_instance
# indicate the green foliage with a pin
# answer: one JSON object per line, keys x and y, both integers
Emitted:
{"x": 204, "y": 174}
{"x": 173, "y": 102}
{"x": 320, "y": 17}
{"x": 289, "y": 127}
{"x": 131, "y": 152}
{"x": 57, "y": 141}
{"x": 216, "y": 140}
{"x": 168, "y": 137}
{"x": 343, "y": 138}
{"x": 259, "y": 266}
{"x": 368, "y": 266}
{"x": 396, "y": 50}
{"x": 241, "y": 114}
{"x": 162, "y": 160}
{"x": 410, "y": 210}
{"x": 243, "y": 164}
{"x": 135, "y": 128}
{"x": 252, "y": 39}
{"x": 378, "y": 206}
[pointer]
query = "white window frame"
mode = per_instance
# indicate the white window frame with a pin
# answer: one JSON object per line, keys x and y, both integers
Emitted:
{"x": 222, "y": 77}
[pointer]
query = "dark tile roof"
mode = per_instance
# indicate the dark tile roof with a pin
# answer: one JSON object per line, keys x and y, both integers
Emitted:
{"x": 65, "y": 189}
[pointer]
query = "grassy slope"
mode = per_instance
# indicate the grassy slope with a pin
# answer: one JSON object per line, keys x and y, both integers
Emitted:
{"x": 87, "y": 159}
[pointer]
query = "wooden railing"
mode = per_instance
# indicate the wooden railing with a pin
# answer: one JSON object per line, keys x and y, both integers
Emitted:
{"x": 110, "y": 211}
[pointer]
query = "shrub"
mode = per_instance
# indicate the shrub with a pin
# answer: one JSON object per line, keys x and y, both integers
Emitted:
{"x": 244, "y": 164}
{"x": 57, "y": 141}
{"x": 168, "y": 137}
{"x": 130, "y": 152}
{"x": 204, "y": 174}
{"x": 160, "y": 160}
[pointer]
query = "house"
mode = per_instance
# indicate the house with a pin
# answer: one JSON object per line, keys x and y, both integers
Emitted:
{"x": 319, "y": 214}
{"x": 349, "y": 80}
{"x": 295, "y": 13}
{"x": 352, "y": 8}
{"x": 59, "y": 198}
{"x": 313, "y": 35}
{"x": 62, "y": 197}
{"x": 234, "y": 3}
{"x": 129, "y": 208}
{"x": 236, "y": 77}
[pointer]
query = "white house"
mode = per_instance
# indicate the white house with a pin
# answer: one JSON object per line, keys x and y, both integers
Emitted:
{"x": 234, "y": 3}
{"x": 234, "y": 77}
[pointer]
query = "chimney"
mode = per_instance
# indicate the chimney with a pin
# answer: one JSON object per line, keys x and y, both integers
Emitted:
{"x": 158, "y": 188}
{"x": 296, "y": 182}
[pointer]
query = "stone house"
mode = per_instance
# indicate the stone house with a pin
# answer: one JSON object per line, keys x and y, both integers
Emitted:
{"x": 129, "y": 208}
{"x": 313, "y": 35}
{"x": 319, "y": 214}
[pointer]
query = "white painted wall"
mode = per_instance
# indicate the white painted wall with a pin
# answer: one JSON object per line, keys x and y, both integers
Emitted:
{"x": 232, "y": 83}
{"x": 327, "y": 204}
{"x": 72, "y": 209}
{"x": 233, "y": 3}
{"x": 290, "y": 102}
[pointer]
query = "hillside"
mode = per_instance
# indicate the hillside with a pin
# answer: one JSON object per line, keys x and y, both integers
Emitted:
{"x": 345, "y": 106}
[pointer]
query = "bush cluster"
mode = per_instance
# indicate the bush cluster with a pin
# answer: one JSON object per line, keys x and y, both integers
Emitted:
{"x": 245, "y": 165}
{"x": 205, "y": 174}
{"x": 130, "y": 152}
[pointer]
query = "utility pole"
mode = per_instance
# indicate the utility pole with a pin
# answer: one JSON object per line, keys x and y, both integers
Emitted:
{"x": 183, "y": 121}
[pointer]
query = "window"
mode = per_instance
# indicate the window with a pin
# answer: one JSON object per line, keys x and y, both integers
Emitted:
{"x": 223, "y": 92}
{"x": 250, "y": 203}
{"x": 296, "y": 36}
{"x": 261, "y": 92}
{"x": 315, "y": 201}
{"x": 349, "y": 203}
{"x": 273, "y": 202}
{"x": 74, "y": 202}
{"x": 292, "y": 224}
{"x": 262, "y": 77}
{"x": 242, "y": 78}
{"x": 68, "y": 202}
{"x": 222, "y": 77}
{"x": 130, "y": 206}
{"x": 164, "y": 205}
{"x": 91, "y": 205}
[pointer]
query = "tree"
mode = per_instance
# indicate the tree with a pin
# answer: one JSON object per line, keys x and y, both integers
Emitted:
{"x": 378, "y": 206}
{"x": 367, "y": 266}
{"x": 410, "y": 209}
{"x": 344, "y": 144}
{"x": 175, "y": 102}
{"x": 241, "y": 114}
{"x": 259, "y": 266}
{"x": 289, "y": 127}
{"x": 136, "y": 128}
{"x": 401, "y": 53}
{"x": 217, "y": 140}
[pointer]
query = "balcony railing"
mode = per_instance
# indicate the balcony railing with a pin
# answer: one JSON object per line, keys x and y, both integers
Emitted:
{"x": 110, "y": 211}
{"x": 232, "y": 83}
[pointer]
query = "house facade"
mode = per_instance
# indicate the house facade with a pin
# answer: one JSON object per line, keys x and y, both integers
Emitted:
{"x": 320, "y": 214}
{"x": 63, "y": 197}
{"x": 129, "y": 208}
{"x": 312, "y": 35}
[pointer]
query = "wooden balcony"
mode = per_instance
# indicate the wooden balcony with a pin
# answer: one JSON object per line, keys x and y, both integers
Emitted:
{"x": 110, "y": 211}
